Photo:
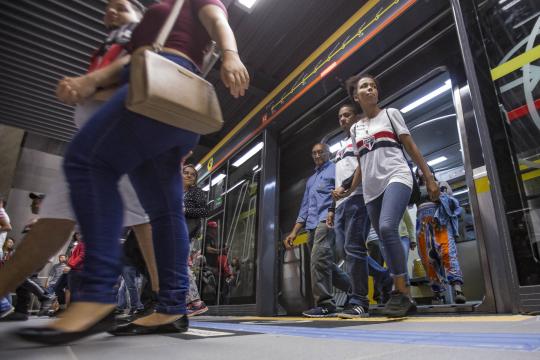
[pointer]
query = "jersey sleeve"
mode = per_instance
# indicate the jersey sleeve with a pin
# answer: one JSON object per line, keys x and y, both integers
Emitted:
{"x": 398, "y": 121}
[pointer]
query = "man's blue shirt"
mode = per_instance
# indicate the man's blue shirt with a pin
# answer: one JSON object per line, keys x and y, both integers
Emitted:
{"x": 317, "y": 196}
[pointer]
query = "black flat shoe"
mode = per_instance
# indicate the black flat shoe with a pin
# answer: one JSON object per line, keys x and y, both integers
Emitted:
{"x": 179, "y": 326}
{"x": 50, "y": 336}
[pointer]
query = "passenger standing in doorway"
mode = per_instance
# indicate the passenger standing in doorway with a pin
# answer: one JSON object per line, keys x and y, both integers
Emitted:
{"x": 313, "y": 216}
{"x": 387, "y": 180}
{"x": 437, "y": 242}
{"x": 351, "y": 225}
{"x": 115, "y": 142}
{"x": 195, "y": 209}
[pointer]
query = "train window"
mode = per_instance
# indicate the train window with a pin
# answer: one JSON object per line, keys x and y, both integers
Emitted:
{"x": 511, "y": 33}
{"x": 241, "y": 222}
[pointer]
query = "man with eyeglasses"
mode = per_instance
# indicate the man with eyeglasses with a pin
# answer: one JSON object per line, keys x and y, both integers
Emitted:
{"x": 312, "y": 216}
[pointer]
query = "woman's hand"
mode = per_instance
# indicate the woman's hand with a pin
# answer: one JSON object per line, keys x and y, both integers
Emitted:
{"x": 433, "y": 190}
{"x": 234, "y": 74}
{"x": 72, "y": 90}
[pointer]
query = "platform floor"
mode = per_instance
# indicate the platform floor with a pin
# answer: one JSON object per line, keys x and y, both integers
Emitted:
{"x": 253, "y": 338}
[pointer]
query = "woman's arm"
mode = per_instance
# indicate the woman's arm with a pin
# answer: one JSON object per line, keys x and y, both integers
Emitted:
{"x": 233, "y": 72}
{"x": 72, "y": 90}
{"x": 416, "y": 156}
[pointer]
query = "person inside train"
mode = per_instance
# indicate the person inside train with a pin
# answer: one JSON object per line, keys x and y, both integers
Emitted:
{"x": 113, "y": 143}
{"x": 437, "y": 242}
{"x": 195, "y": 209}
{"x": 216, "y": 253}
{"x": 57, "y": 220}
{"x": 348, "y": 217}
{"x": 387, "y": 180}
{"x": 313, "y": 216}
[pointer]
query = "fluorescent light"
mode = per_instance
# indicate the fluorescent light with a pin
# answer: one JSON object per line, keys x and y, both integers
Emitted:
{"x": 508, "y": 6}
{"x": 424, "y": 99}
{"x": 436, "y": 161}
{"x": 234, "y": 187}
{"x": 460, "y": 192}
{"x": 198, "y": 167}
{"x": 217, "y": 179}
{"x": 247, "y": 3}
{"x": 255, "y": 167}
{"x": 206, "y": 188}
{"x": 249, "y": 154}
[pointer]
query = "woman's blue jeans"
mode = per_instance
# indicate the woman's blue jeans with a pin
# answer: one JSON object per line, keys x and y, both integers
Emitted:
{"x": 114, "y": 142}
{"x": 385, "y": 213}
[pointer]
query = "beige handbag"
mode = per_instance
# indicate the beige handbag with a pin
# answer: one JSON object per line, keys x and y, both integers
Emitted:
{"x": 167, "y": 92}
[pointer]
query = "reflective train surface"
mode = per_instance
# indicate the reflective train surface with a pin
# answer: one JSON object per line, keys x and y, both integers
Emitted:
{"x": 466, "y": 79}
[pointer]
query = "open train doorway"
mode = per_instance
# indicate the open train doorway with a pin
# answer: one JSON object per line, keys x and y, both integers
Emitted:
{"x": 426, "y": 96}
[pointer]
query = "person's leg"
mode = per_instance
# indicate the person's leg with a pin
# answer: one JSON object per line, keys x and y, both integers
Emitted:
{"x": 375, "y": 256}
{"x": 393, "y": 205}
{"x": 449, "y": 260}
{"x": 143, "y": 233}
{"x": 322, "y": 259}
{"x": 193, "y": 293}
{"x": 23, "y": 300}
{"x": 406, "y": 244}
{"x": 41, "y": 243}
{"x": 129, "y": 274}
{"x": 122, "y": 301}
{"x": 5, "y": 307}
{"x": 357, "y": 227}
{"x": 382, "y": 280}
{"x": 159, "y": 186}
{"x": 114, "y": 142}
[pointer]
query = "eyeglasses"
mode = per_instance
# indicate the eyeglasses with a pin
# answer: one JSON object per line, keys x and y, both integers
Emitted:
{"x": 318, "y": 152}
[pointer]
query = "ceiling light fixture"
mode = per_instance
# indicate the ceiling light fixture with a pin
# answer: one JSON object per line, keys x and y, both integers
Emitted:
{"x": 249, "y": 154}
{"x": 436, "y": 161}
{"x": 246, "y": 4}
{"x": 424, "y": 99}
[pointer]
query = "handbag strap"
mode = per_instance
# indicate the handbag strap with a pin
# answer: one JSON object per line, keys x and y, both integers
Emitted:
{"x": 397, "y": 136}
{"x": 167, "y": 26}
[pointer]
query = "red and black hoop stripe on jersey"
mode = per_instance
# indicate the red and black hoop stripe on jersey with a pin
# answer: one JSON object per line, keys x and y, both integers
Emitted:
{"x": 382, "y": 139}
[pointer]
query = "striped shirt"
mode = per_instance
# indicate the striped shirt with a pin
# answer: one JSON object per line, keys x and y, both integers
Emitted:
{"x": 381, "y": 159}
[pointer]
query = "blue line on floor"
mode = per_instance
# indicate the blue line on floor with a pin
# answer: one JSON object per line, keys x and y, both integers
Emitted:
{"x": 508, "y": 341}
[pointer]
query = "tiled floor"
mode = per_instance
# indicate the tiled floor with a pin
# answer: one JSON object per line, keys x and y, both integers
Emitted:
{"x": 238, "y": 338}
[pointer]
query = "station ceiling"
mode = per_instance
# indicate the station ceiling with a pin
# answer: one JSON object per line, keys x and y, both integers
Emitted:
{"x": 43, "y": 41}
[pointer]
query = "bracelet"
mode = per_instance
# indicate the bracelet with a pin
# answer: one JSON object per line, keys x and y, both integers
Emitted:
{"x": 231, "y": 50}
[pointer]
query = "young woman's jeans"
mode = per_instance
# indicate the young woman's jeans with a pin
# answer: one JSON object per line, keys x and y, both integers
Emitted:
{"x": 115, "y": 142}
{"x": 385, "y": 213}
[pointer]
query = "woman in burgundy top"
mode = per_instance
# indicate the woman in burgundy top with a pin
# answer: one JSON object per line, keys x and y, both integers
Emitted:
{"x": 116, "y": 141}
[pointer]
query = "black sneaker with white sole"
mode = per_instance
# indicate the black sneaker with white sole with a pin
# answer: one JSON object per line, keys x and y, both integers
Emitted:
{"x": 321, "y": 311}
{"x": 399, "y": 305}
{"x": 352, "y": 311}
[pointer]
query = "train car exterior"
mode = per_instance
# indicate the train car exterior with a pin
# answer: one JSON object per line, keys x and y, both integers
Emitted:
{"x": 485, "y": 57}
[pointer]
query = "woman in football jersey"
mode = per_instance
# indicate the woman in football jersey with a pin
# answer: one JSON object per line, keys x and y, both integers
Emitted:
{"x": 387, "y": 180}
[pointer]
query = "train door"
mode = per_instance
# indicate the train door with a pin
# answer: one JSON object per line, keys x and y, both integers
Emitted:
{"x": 510, "y": 35}
{"x": 427, "y": 82}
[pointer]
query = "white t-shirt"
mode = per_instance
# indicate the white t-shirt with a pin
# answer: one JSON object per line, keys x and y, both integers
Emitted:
{"x": 381, "y": 159}
{"x": 346, "y": 164}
